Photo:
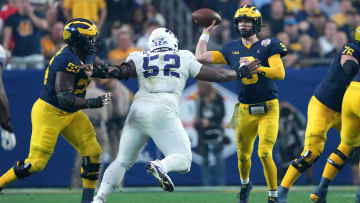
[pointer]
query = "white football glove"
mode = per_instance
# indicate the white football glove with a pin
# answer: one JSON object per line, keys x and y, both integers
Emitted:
{"x": 8, "y": 140}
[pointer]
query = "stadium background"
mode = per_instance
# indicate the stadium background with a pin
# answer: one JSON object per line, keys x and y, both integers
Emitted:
{"x": 302, "y": 76}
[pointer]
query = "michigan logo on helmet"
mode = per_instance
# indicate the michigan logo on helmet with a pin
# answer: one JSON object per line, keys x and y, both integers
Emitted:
{"x": 357, "y": 34}
{"x": 251, "y": 13}
{"x": 81, "y": 33}
{"x": 162, "y": 38}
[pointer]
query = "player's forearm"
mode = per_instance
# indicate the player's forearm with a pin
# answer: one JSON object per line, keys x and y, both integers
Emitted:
{"x": 201, "y": 48}
{"x": 216, "y": 75}
{"x": 7, "y": 36}
{"x": 276, "y": 71}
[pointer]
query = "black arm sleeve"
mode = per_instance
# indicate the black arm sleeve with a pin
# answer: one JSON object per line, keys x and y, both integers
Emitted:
{"x": 121, "y": 72}
{"x": 100, "y": 71}
{"x": 351, "y": 68}
{"x": 71, "y": 102}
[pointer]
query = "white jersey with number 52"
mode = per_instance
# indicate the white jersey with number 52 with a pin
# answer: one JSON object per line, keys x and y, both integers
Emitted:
{"x": 162, "y": 75}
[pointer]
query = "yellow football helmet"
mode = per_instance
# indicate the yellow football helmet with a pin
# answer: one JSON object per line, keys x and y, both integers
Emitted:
{"x": 357, "y": 34}
{"x": 248, "y": 12}
{"x": 81, "y": 33}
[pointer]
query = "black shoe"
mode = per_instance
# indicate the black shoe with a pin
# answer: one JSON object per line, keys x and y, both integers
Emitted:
{"x": 273, "y": 200}
{"x": 154, "y": 168}
{"x": 244, "y": 193}
{"x": 319, "y": 195}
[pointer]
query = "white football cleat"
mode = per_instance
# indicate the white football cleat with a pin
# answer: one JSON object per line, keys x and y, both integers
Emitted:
{"x": 154, "y": 168}
{"x": 98, "y": 200}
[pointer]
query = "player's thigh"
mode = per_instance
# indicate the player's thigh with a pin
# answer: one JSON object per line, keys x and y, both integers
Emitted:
{"x": 46, "y": 126}
{"x": 268, "y": 128}
{"x": 81, "y": 135}
{"x": 320, "y": 119}
{"x": 131, "y": 143}
{"x": 170, "y": 137}
{"x": 246, "y": 131}
{"x": 350, "y": 132}
{"x": 47, "y": 122}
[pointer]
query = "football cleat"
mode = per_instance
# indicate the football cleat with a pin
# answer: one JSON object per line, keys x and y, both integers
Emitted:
{"x": 319, "y": 195}
{"x": 282, "y": 194}
{"x": 98, "y": 200}
{"x": 154, "y": 168}
{"x": 357, "y": 199}
{"x": 244, "y": 193}
{"x": 273, "y": 200}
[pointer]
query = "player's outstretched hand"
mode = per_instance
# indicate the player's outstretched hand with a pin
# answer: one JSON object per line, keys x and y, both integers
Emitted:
{"x": 99, "y": 101}
{"x": 247, "y": 67}
{"x": 88, "y": 69}
{"x": 209, "y": 29}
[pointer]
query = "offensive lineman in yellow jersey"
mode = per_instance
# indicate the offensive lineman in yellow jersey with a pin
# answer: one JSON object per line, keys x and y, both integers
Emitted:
{"x": 324, "y": 112}
{"x": 350, "y": 120}
{"x": 58, "y": 110}
{"x": 257, "y": 112}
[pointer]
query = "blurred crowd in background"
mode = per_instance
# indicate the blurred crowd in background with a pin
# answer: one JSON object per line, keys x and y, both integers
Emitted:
{"x": 312, "y": 30}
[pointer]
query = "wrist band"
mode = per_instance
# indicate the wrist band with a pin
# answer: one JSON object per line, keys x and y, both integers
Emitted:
{"x": 205, "y": 37}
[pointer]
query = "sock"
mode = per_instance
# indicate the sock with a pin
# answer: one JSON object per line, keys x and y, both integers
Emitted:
{"x": 273, "y": 193}
{"x": 88, "y": 194}
{"x": 244, "y": 168}
{"x": 270, "y": 172}
{"x": 112, "y": 178}
{"x": 330, "y": 171}
{"x": 292, "y": 174}
{"x": 244, "y": 181}
{"x": 7, "y": 178}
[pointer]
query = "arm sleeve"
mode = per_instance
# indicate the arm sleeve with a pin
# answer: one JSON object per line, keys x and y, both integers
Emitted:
{"x": 102, "y": 4}
{"x": 276, "y": 70}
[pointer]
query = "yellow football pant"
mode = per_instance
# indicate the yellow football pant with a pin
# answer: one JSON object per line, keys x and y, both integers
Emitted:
{"x": 47, "y": 123}
{"x": 320, "y": 119}
{"x": 266, "y": 126}
{"x": 350, "y": 132}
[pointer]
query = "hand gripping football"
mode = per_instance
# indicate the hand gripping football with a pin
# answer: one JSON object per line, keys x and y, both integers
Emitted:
{"x": 205, "y": 16}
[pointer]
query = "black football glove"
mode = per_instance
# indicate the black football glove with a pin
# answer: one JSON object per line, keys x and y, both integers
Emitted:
{"x": 7, "y": 126}
{"x": 98, "y": 101}
{"x": 242, "y": 72}
{"x": 121, "y": 72}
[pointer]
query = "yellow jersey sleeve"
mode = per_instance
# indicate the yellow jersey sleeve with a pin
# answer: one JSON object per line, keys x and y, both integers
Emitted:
{"x": 102, "y": 4}
{"x": 68, "y": 4}
{"x": 218, "y": 58}
{"x": 276, "y": 71}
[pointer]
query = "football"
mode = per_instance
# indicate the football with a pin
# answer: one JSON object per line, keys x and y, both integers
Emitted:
{"x": 205, "y": 16}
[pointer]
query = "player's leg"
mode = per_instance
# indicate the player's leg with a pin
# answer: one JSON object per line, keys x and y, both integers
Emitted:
{"x": 320, "y": 120}
{"x": 246, "y": 132}
{"x": 171, "y": 138}
{"x": 132, "y": 141}
{"x": 81, "y": 135}
{"x": 357, "y": 199}
{"x": 349, "y": 139}
{"x": 46, "y": 126}
{"x": 267, "y": 129}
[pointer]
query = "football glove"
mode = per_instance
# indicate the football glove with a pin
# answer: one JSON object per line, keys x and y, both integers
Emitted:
{"x": 8, "y": 140}
{"x": 7, "y": 126}
{"x": 242, "y": 72}
{"x": 98, "y": 101}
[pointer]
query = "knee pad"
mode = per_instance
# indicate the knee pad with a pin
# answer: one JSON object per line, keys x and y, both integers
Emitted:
{"x": 301, "y": 165}
{"x": 89, "y": 170}
{"x": 342, "y": 156}
{"x": 21, "y": 169}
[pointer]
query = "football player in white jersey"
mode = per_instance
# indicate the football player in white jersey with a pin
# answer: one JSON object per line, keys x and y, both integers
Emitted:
{"x": 162, "y": 73}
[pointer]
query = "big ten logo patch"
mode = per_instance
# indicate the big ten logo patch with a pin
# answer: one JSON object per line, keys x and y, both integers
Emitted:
{"x": 188, "y": 113}
{"x": 25, "y": 28}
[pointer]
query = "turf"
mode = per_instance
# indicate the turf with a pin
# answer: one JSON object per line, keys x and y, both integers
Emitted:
{"x": 182, "y": 195}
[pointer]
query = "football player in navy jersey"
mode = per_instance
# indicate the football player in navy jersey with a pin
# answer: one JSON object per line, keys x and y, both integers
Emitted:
{"x": 257, "y": 112}
{"x": 58, "y": 110}
{"x": 347, "y": 61}
{"x": 325, "y": 110}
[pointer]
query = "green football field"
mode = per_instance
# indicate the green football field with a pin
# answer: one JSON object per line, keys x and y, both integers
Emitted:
{"x": 337, "y": 194}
